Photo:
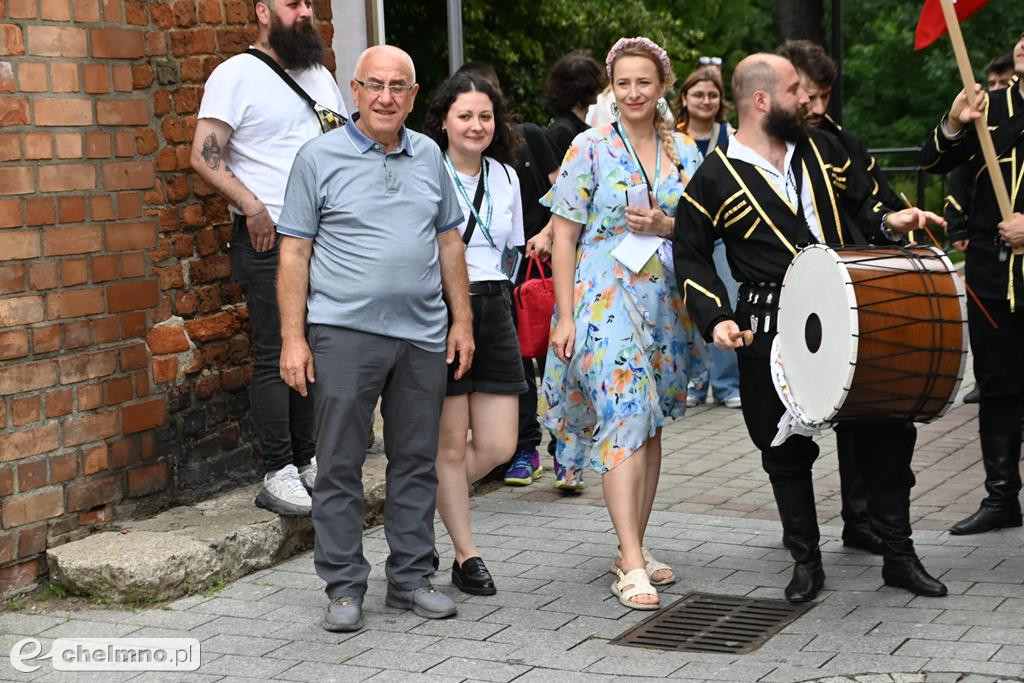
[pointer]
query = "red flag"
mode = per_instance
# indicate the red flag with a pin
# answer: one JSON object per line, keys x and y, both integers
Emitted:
{"x": 932, "y": 25}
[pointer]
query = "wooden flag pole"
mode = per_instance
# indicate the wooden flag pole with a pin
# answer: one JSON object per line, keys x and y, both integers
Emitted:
{"x": 988, "y": 149}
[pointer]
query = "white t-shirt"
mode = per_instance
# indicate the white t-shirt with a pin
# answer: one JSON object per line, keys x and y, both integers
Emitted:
{"x": 483, "y": 260}
{"x": 270, "y": 121}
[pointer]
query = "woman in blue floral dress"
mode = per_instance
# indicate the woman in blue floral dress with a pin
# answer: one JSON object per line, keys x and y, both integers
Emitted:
{"x": 618, "y": 364}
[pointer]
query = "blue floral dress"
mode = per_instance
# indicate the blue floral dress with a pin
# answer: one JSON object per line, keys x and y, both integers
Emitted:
{"x": 634, "y": 342}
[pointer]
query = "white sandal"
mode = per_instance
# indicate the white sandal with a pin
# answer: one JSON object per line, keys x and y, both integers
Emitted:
{"x": 638, "y": 584}
{"x": 652, "y": 566}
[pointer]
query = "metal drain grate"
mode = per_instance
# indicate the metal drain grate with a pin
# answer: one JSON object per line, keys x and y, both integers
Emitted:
{"x": 703, "y": 622}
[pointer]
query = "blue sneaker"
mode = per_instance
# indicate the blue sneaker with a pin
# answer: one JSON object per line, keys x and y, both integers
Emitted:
{"x": 568, "y": 480}
{"x": 525, "y": 468}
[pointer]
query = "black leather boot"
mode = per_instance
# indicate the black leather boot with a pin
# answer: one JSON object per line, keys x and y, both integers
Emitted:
{"x": 1000, "y": 454}
{"x": 853, "y": 490}
{"x": 890, "y": 519}
{"x": 795, "y": 499}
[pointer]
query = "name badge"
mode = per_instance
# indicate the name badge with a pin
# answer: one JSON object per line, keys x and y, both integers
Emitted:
{"x": 510, "y": 260}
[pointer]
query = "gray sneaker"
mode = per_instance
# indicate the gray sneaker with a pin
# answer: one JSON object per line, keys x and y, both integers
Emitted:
{"x": 282, "y": 493}
{"x": 344, "y": 614}
{"x": 307, "y": 475}
{"x": 426, "y": 602}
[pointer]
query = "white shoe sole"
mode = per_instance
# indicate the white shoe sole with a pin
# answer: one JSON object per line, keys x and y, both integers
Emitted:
{"x": 281, "y": 507}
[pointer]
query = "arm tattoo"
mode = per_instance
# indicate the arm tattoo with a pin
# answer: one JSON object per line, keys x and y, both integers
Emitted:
{"x": 211, "y": 151}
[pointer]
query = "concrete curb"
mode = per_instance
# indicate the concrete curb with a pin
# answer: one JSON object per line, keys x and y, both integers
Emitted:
{"x": 189, "y": 548}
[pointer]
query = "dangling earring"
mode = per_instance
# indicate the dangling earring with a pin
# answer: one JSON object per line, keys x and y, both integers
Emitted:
{"x": 615, "y": 109}
{"x": 662, "y": 108}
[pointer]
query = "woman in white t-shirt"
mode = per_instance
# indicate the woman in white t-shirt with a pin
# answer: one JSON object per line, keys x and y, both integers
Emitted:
{"x": 469, "y": 120}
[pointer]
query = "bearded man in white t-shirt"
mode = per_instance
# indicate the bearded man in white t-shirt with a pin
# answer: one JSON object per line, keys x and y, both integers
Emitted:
{"x": 251, "y": 125}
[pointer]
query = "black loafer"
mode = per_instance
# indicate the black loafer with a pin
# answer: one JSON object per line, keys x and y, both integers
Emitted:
{"x": 473, "y": 578}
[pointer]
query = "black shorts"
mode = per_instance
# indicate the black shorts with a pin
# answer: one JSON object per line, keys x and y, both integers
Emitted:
{"x": 497, "y": 365}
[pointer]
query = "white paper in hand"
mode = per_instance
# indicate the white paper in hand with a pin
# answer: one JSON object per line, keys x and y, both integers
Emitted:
{"x": 635, "y": 250}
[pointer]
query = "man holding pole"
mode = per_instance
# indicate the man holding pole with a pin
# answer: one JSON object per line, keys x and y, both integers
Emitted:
{"x": 994, "y": 274}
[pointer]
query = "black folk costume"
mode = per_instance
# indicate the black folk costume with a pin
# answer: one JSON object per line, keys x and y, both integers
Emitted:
{"x": 734, "y": 200}
{"x": 852, "y": 486}
{"x": 994, "y": 273}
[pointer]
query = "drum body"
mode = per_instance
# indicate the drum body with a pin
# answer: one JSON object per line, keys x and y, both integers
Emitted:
{"x": 872, "y": 333}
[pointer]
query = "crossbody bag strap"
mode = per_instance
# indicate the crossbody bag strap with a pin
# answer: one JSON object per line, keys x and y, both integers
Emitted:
{"x": 478, "y": 200}
{"x": 269, "y": 61}
{"x": 328, "y": 118}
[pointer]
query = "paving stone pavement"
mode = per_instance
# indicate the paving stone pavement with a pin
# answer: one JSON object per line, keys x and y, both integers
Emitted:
{"x": 554, "y": 615}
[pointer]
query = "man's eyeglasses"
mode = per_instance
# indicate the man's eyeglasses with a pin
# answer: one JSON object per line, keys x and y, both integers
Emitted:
{"x": 396, "y": 89}
{"x": 704, "y": 61}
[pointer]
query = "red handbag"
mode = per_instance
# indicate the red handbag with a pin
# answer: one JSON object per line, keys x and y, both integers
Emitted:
{"x": 535, "y": 303}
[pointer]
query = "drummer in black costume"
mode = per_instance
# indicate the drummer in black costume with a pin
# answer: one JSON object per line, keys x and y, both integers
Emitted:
{"x": 817, "y": 74}
{"x": 994, "y": 272}
{"x": 778, "y": 188}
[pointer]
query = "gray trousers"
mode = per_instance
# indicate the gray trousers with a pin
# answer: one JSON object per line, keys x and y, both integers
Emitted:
{"x": 354, "y": 369}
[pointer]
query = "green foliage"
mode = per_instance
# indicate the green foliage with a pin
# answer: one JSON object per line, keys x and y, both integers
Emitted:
{"x": 521, "y": 40}
{"x": 893, "y": 94}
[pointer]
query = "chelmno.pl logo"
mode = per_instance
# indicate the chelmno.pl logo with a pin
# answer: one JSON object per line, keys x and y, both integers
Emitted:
{"x": 108, "y": 654}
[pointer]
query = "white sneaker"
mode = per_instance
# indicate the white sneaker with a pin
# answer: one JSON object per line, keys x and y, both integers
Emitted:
{"x": 307, "y": 475}
{"x": 733, "y": 402}
{"x": 282, "y": 493}
{"x": 692, "y": 401}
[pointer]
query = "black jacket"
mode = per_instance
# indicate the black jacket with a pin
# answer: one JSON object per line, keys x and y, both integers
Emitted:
{"x": 730, "y": 200}
{"x": 989, "y": 276}
{"x": 861, "y": 158}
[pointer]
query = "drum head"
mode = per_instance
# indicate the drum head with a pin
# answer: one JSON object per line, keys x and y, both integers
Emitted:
{"x": 818, "y": 329}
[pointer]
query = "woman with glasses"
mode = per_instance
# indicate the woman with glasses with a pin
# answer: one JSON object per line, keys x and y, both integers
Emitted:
{"x": 469, "y": 120}
{"x": 701, "y": 115}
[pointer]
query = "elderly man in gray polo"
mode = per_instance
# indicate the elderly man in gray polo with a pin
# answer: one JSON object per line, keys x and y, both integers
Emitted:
{"x": 369, "y": 248}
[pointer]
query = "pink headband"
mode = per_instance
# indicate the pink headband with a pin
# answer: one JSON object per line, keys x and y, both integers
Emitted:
{"x": 623, "y": 44}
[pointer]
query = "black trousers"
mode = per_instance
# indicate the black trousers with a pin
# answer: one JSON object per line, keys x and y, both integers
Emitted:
{"x": 882, "y": 449}
{"x": 998, "y": 364}
{"x": 285, "y": 421}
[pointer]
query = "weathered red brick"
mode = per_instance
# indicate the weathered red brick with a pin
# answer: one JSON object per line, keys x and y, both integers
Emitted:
{"x": 19, "y": 244}
{"x": 64, "y": 76}
{"x": 19, "y": 577}
{"x": 24, "y": 410}
{"x": 46, "y": 339}
{"x": 13, "y": 344}
{"x": 31, "y": 541}
{"x": 122, "y": 112}
{"x": 148, "y": 479}
{"x": 13, "y": 111}
{"x": 58, "y": 403}
{"x": 11, "y": 41}
{"x": 55, "y": 41}
{"x": 28, "y": 442}
{"x": 16, "y": 180}
{"x": 20, "y": 310}
{"x": 128, "y": 175}
{"x": 31, "y": 475}
{"x": 63, "y": 111}
{"x": 87, "y": 428}
{"x": 94, "y": 459}
{"x": 12, "y": 279}
{"x": 118, "y": 43}
{"x": 34, "y": 507}
{"x": 42, "y": 275}
{"x": 74, "y": 272}
{"x": 63, "y": 467}
{"x": 81, "y": 239}
{"x": 167, "y": 339}
{"x": 86, "y": 366}
{"x": 142, "y": 416}
{"x": 93, "y": 493}
{"x": 74, "y": 303}
{"x": 133, "y": 357}
{"x": 121, "y": 236}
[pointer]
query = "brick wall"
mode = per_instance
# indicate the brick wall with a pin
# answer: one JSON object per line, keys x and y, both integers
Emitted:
{"x": 123, "y": 348}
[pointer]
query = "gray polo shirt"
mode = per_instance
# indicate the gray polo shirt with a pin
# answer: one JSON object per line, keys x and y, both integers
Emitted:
{"x": 374, "y": 220}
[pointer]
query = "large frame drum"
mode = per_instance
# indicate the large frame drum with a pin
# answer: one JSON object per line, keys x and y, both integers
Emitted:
{"x": 872, "y": 333}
